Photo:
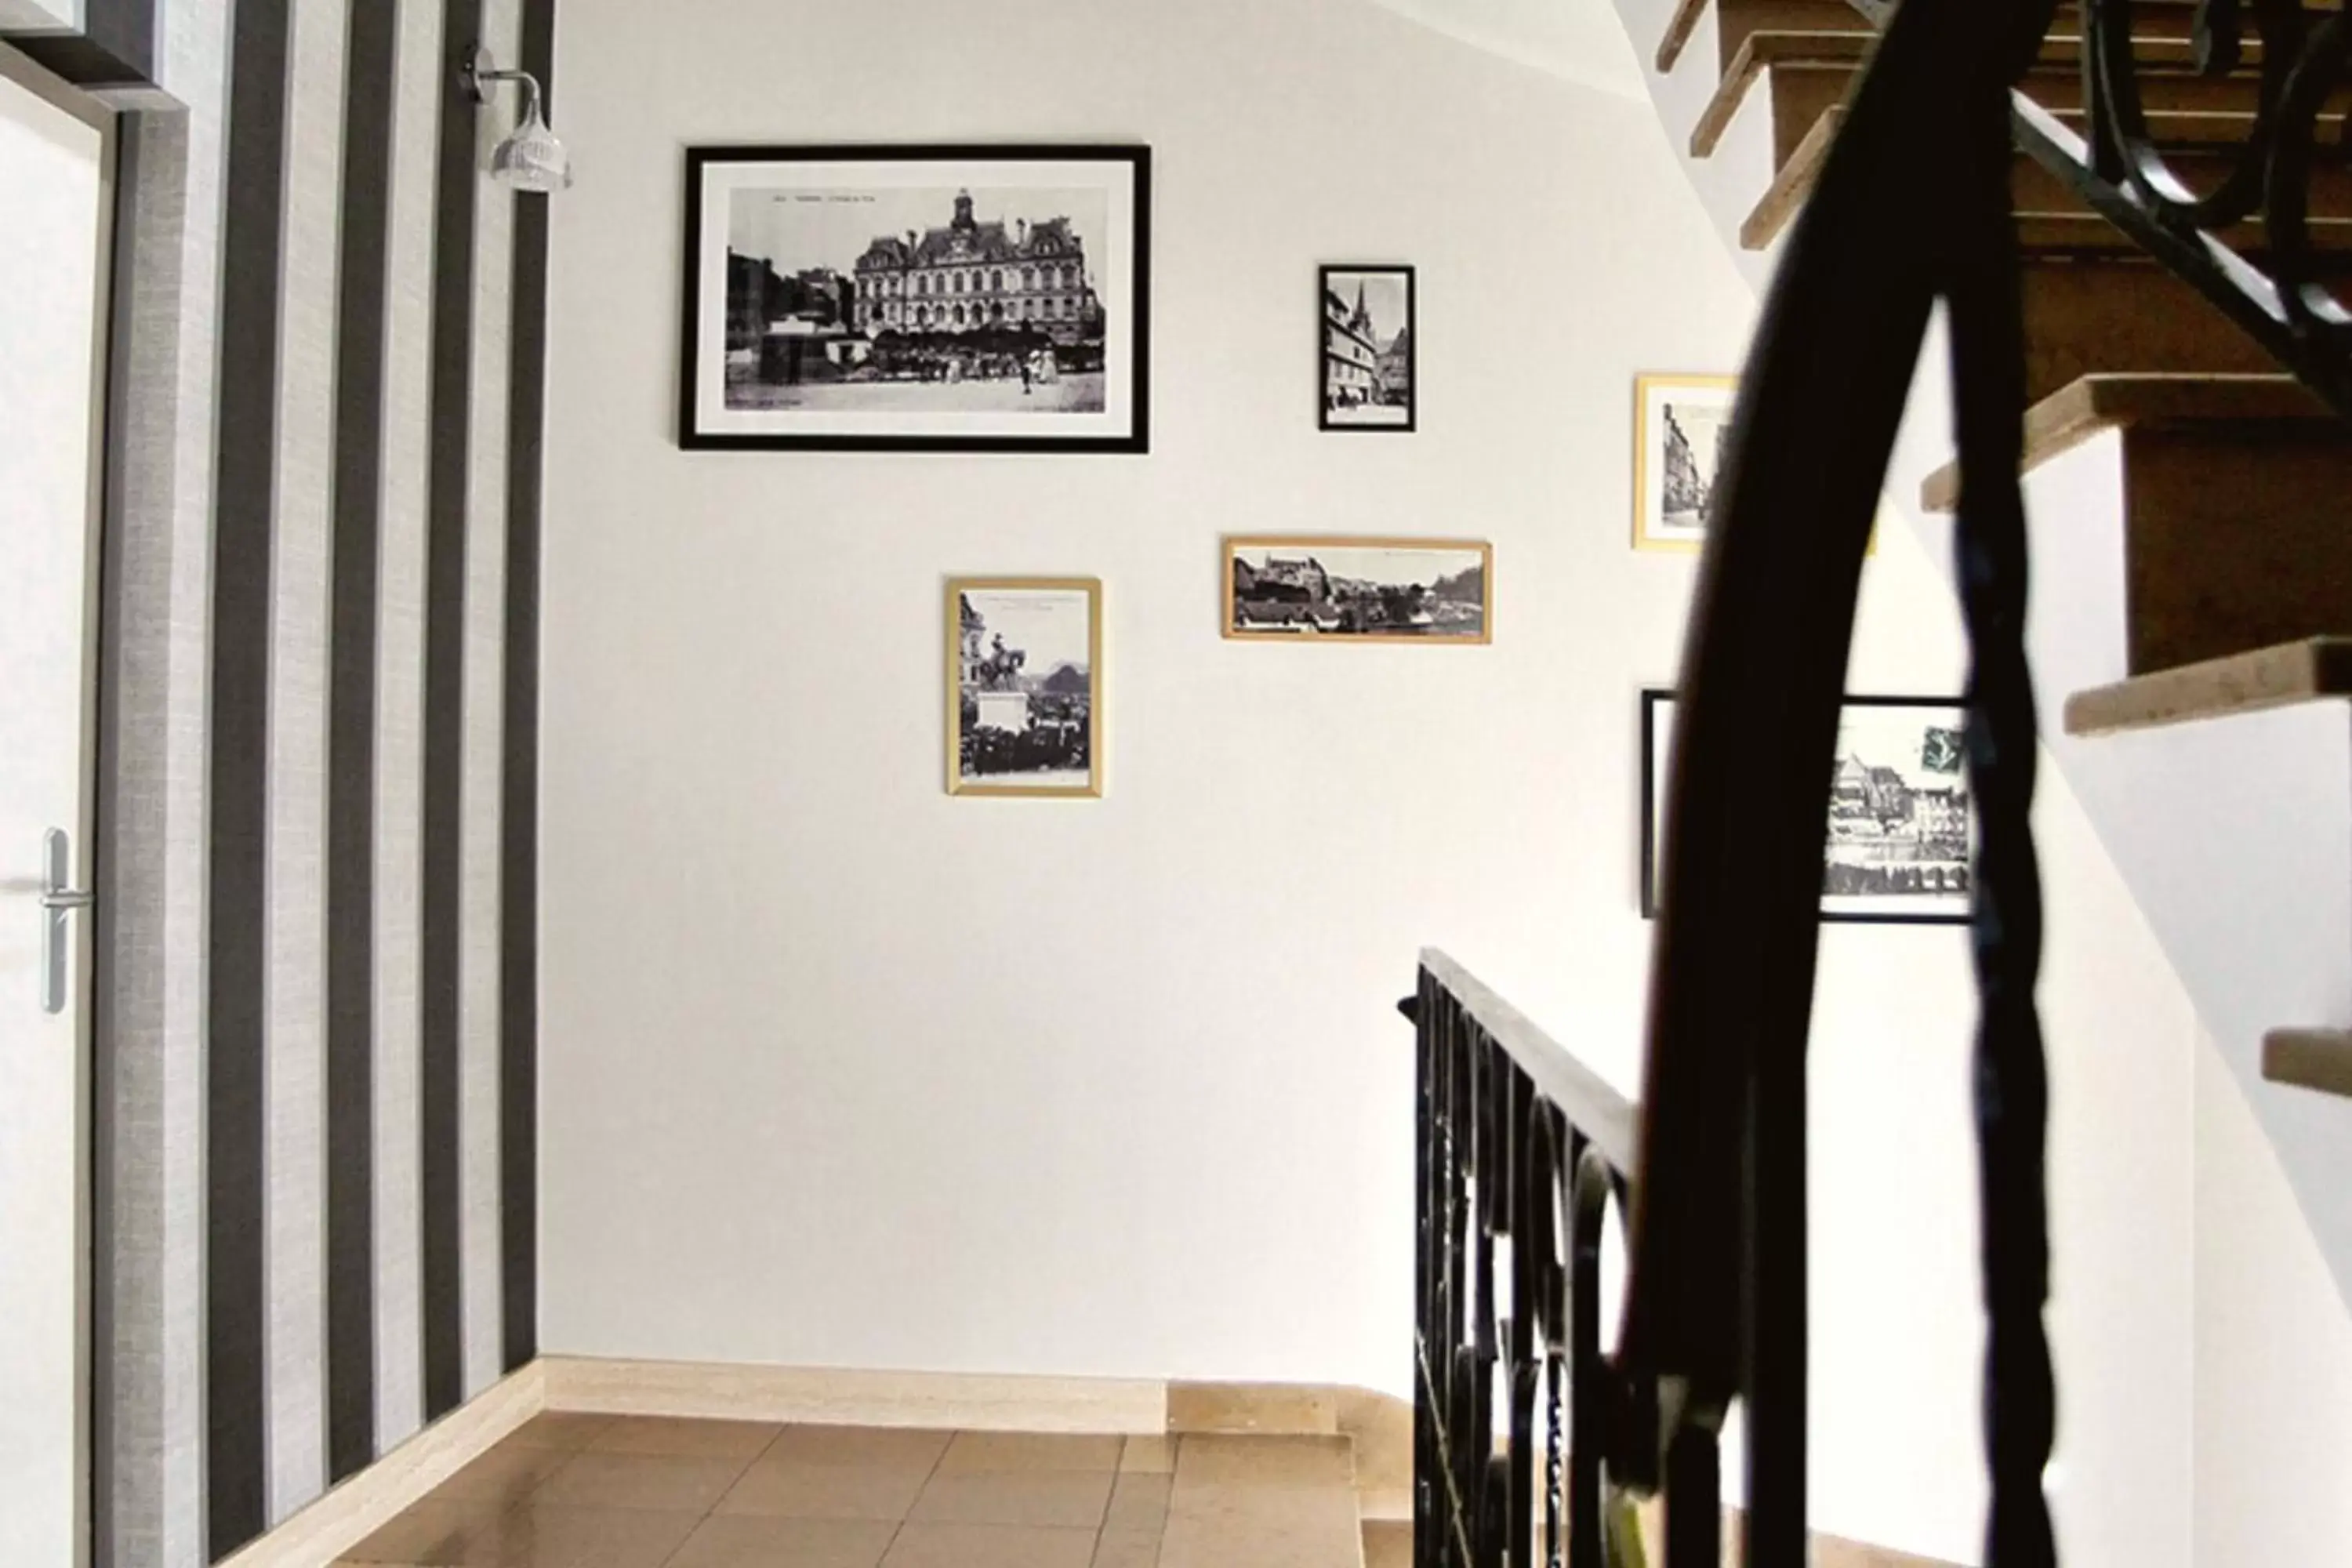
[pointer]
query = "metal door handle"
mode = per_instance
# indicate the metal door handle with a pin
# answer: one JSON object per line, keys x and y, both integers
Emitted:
{"x": 58, "y": 903}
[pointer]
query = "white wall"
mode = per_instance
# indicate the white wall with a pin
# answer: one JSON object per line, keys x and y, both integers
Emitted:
{"x": 2274, "y": 1351}
{"x": 841, "y": 1072}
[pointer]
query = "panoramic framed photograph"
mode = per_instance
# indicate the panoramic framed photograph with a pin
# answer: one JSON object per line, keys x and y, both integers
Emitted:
{"x": 917, "y": 298}
{"x": 1024, "y": 686}
{"x": 1902, "y": 831}
{"x": 1368, "y": 348}
{"x": 1680, "y": 424}
{"x": 1341, "y": 589}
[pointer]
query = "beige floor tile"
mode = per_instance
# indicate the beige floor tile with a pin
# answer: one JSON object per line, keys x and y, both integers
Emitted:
{"x": 544, "y": 1536}
{"x": 1070, "y": 1498}
{"x": 558, "y": 1429}
{"x": 1270, "y": 1541}
{"x": 434, "y": 1531}
{"x": 751, "y": 1540}
{"x": 904, "y": 1447}
{"x": 1265, "y": 1461}
{"x": 793, "y": 1489}
{"x": 1140, "y": 1501}
{"x": 989, "y": 1546}
{"x": 1153, "y": 1456}
{"x": 1128, "y": 1549}
{"x": 686, "y": 1437}
{"x": 639, "y": 1481}
{"x": 1242, "y": 1510}
{"x": 506, "y": 1475}
{"x": 975, "y": 1452}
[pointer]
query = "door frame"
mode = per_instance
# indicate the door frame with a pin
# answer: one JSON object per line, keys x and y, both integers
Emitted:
{"x": 79, "y": 104}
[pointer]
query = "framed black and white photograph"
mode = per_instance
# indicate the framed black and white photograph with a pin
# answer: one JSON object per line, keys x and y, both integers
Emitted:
{"x": 939, "y": 299}
{"x": 1902, "y": 831}
{"x": 1024, "y": 686}
{"x": 1680, "y": 426}
{"x": 1368, "y": 337}
{"x": 1312, "y": 587}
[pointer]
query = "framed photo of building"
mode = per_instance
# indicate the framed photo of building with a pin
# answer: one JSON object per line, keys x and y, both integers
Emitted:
{"x": 1902, "y": 829}
{"x": 1680, "y": 424}
{"x": 1317, "y": 588}
{"x": 917, "y": 298}
{"x": 1367, "y": 329}
{"x": 1024, "y": 686}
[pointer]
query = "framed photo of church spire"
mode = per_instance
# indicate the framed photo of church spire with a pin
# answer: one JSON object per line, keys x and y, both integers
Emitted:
{"x": 1366, "y": 325}
{"x": 917, "y": 298}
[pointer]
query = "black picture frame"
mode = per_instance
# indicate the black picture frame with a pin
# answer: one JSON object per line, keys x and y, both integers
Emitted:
{"x": 1324, "y": 294}
{"x": 1655, "y": 698}
{"x": 1135, "y": 298}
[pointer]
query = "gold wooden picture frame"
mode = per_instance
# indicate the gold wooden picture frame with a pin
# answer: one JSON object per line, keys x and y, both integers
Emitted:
{"x": 1024, "y": 687}
{"x": 1678, "y": 422}
{"x": 1344, "y": 588}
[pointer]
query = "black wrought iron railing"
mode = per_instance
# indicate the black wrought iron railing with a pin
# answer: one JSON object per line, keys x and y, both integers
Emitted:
{"x": 1523, "y": 1154}
{"x": 2245, "y": 240}
{"x": 1532, "y": 1441}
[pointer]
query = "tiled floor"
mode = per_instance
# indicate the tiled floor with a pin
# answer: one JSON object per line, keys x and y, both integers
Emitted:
{"x": 579, "y": 1491}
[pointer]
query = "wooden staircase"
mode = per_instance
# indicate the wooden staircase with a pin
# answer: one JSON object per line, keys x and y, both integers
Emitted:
{"x": 2238, "y": 481}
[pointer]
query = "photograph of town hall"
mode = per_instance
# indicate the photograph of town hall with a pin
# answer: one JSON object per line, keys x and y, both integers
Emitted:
{"x": 915, "y": 300}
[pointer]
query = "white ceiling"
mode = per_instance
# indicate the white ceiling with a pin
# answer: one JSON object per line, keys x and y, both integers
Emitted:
{"x": 1580, "y": 40}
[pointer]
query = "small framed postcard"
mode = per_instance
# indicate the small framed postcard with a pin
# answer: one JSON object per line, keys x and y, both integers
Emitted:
{"x": 917, "y": 298}
{"x": 1368, "y": 336}
{"x": 1311, "y": 587}
{"x": 1680, "y": 424}
{"x": 1902, "y": 830}
{"x": 1024, "y": 686}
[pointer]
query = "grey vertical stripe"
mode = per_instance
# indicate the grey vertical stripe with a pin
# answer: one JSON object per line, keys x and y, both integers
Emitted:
{"x": 351, "y": 718}
{"x": 485, "y": 604}
{"x": 295, "y": 1034}
{"x": 400, "y": 1366}
{"x": 148, "y": 1102}
{"x": 519, "y": 815}
{"x": 447, "y": 491}
{"x": 245, "y": 478}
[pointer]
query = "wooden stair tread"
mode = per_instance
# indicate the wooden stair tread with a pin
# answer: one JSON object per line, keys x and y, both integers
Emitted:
{"x": 2076, "y": 413}
{"x": 2317, "y": 1059}
{"x": 2051, "y": 221}
{"x": 2312, "y": 670}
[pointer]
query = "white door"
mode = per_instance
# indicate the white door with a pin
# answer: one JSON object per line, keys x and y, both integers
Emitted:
{"x": 54, "y": 191}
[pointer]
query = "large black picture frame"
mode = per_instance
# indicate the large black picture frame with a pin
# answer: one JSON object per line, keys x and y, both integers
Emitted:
{"x": 1124, "y": 426}
{"x": 1943, "y": 907}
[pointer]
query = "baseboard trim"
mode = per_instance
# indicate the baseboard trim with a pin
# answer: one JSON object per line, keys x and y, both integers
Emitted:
{"x": 369, "y": 1500}
{"x": 965, "y": 1401}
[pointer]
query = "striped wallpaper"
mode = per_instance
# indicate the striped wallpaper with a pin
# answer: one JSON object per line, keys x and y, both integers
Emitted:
{"x": 315, "y": 1076}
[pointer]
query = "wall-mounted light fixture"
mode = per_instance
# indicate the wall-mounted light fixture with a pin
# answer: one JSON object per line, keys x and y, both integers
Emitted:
{"x": 532, "y": 159}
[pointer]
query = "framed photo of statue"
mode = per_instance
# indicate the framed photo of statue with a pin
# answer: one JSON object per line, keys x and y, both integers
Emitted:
{"x": 1680, "y": 426}
{"x": 1024, "y": 686}
{"x": 1901, "y": 846}
{"x": 917, "y": 298}
{"x": 1368, "y": 329}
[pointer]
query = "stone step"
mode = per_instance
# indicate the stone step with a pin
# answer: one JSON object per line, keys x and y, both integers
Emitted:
{"x": 2313, "y": 670}
{"x": 2317, "y": 1059}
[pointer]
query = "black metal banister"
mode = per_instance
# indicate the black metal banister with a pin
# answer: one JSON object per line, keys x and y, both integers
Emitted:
{"x": 1593, "y": 1105}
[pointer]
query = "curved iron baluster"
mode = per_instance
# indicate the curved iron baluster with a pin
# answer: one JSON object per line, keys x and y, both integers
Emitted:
{"x": 1716, "y": 1305}
{"x": 2324, "y": 70}
{"x": 2116, "y": 106}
